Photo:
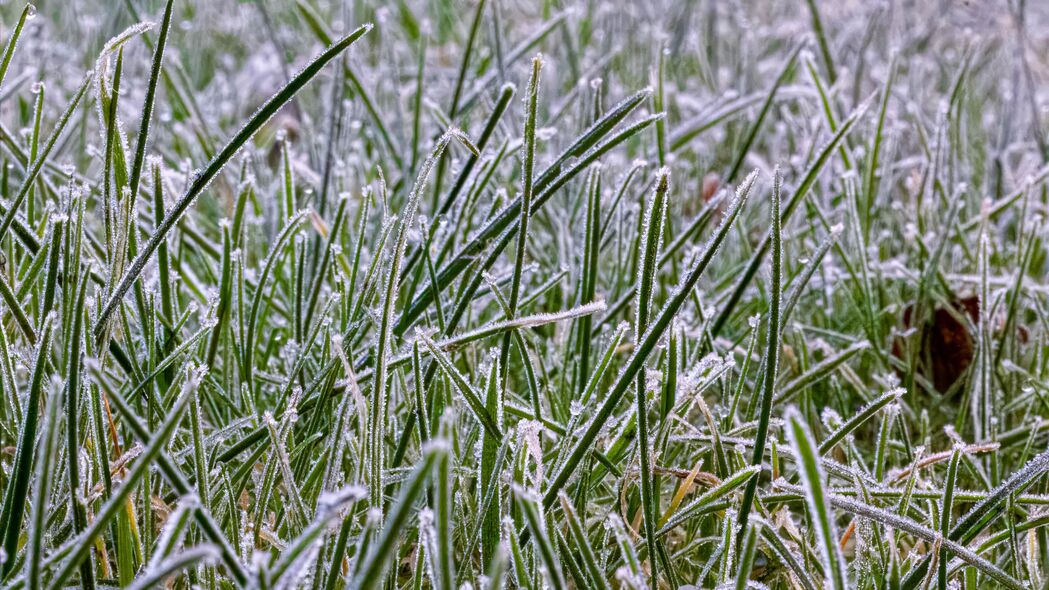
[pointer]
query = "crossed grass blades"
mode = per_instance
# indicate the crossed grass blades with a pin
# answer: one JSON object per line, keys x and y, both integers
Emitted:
{"x": 402, "y": 325}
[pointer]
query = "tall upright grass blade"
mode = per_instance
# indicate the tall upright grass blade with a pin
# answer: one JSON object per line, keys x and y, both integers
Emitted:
{"x": 772, "y": 352}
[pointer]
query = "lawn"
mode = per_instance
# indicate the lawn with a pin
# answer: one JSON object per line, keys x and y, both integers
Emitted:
{"x": 492, "y": 294}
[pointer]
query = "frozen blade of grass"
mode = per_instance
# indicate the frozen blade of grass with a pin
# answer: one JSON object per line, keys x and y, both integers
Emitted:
{"x": 527, "y": 193}
{"x": 872, "y": 180}
{"x": 222, "y": 311}
{"x": 650, "y": 243}
{"x": 148, "y": 101}
{"x": 772, "y": 352}
{"x": 321, "y": 271}
{"x": 801, "y": 282}
{"x": 946, "y": 507}
{"x": 859, "y": 418}
{"x": 528, "y": 503}
{"x": 18, "y": 485}
{"x": 529, "y": 321}
{"x": 828, "y": 108}
{"x": 183, "y": 561}
{"x": 646, "y": 345}
{"x": 41, "y": 492}
{"x": 296, "y": 508}
{"x": 582, "y": 544}
{"x": 464, "y": 64}
{"x": 592, "y": 136}
{"x": 444, "y": 559}
{"x": 821, "y": 38}
{"x": 491, "y": 510}
{"x": 815, "y": 481}
{"x": 982, "y": 387}
{"x": 114, "y": 44}
{"x": 167, "y": 362}
{"x": 746, "y": 562}
{"x": 12, "y": 41}
{"x": 496, "y": 570}
{"x": 724, "y": 111}
{"x": 201, "y": 180}
{"x": 709, "y": 497}
{"x": 279, "y": 243}
{"x": 373, "y": 568}
{"x": 606, "y": 361}
{"x": 809, "y": 178}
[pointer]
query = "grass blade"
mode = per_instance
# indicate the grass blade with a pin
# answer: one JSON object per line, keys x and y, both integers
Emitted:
{"x": 815, "y": 495}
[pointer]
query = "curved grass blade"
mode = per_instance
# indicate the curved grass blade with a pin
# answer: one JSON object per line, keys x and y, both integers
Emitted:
{"x": 181, "y": 562}
{"x": 859, "y": 418}
{"x": 819, "y": 371}
{"x": 710, "y": 497}
{"x": 650, "y": 243}
{"x": 41, "y": 493}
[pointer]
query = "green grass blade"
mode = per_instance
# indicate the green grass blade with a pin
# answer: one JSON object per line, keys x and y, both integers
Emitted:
{"x": 814, "y": 482}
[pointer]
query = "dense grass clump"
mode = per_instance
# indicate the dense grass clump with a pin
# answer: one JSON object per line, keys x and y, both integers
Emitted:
{"x": 439, "y": 294}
